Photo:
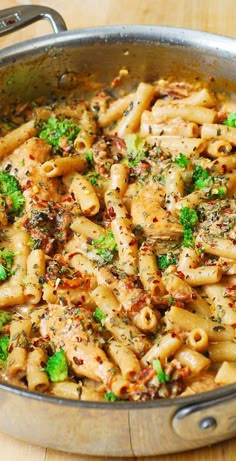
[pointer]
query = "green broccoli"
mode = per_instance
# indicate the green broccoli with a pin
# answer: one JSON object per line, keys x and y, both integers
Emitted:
{"x": 182, "y": 161}
{"x": 12, "y": 196}
{"x": 110, "y": 397}
{"x": 162, "y": 376}
{"x": 104, "y": 247}
{"x": 54, "y": 129}
{"x": 166, "y": 260}
{"x": 231, "y": 120}
{"x": 98, "y": 315}
{"x": 89, "y": 157}
{"x": 4, "y": 318}
{"x": 135, "y": 149}
{"x": 57, "y": 367}
{"x": 188, "y": 218}
{"x": 6, "y": 261}
{"x": 8, "y": 183}
{"x": 201, "y": 178}
{"x": 4, "y": 344}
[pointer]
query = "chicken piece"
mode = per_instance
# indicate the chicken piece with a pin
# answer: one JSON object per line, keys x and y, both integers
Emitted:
{"x": 154, "y": 220}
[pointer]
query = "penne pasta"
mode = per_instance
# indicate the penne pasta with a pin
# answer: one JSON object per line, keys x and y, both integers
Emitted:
{"x": 117, "y": 248}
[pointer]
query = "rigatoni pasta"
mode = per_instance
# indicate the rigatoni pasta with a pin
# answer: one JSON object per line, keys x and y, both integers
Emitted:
{"x": 117, "y": 244}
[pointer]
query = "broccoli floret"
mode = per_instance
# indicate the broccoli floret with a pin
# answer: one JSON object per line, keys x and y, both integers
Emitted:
{"x": 4, "y": 344}
{"x": 104, "y": 247}
{"x": 135, "y": 149}
{"x": 54, "y": 129}
{"x": 8, "y": 183}
{"x": 89, "y": 157}
{"x": 6, "y": 261}
{"x": 17, "y": 201}
{"x": 10, "y": 190}
{"x": 98, "y": 315}
{"x": 182, "y": 161}
{"x": 4, "y": 318}
{"x": 162, "y": 376}
{"x": 110, "y": 397}
{"x": 231, "y": 120}
{"x": 188, "y": 218}
{"x": 57, "y": 367}
{"x": 166, "y": 260}
{"x": 201, "y": 178}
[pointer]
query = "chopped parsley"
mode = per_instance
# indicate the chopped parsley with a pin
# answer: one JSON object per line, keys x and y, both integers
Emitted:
{"x": 93, "y": 177}
{"x": 162, "y": 376}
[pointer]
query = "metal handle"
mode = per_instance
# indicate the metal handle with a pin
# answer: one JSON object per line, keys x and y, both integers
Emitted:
{"x": 208, "y": 420}
{"x": 12, "y": 19}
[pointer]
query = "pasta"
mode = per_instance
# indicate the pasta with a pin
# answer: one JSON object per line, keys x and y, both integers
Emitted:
{"x": 117, "y": 244}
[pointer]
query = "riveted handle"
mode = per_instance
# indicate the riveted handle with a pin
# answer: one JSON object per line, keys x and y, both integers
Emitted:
{"x": 212, "y": 420}
{"x": 12, "y": 19}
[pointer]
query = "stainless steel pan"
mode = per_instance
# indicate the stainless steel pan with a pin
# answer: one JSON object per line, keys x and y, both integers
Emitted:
{"x": 51, "y": 64}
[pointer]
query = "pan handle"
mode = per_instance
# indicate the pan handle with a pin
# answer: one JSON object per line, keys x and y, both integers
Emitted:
{"x": 209, "y": 420}
{"x": 12, "y": 19}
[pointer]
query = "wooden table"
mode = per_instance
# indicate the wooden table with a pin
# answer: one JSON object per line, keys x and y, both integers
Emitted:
{"x": 210, "y": 15}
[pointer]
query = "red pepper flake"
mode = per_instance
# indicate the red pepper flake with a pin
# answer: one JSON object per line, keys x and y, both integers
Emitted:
{"x": 67, "y": 199}
{"x": 180, "y": 275}
{"x": 154, "y": 220}
{"x": 31, "y": 157}
{"x": 78, "y": 339}
{"x": 78, "y": 361}
{"x": 111, "y": 212}
{"x": 99, "y": 360}
{"x": 115, "y": 82}
{"x": 132, "y": 242}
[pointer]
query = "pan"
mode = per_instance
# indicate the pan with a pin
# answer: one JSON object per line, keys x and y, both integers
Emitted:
{"x": 55, "y": 63}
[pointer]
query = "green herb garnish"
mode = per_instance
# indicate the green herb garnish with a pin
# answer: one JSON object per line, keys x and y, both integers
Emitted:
{"x": 162, "y": 376}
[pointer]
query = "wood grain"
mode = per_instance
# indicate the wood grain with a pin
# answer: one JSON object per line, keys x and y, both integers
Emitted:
{"x": 210, "y": 15}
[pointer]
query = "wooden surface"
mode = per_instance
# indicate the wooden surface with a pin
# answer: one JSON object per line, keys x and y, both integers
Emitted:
{"x": 210, "y": 15}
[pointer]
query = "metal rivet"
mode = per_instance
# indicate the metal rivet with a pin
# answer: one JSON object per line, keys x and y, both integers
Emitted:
{"x": 208, "y": 424}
